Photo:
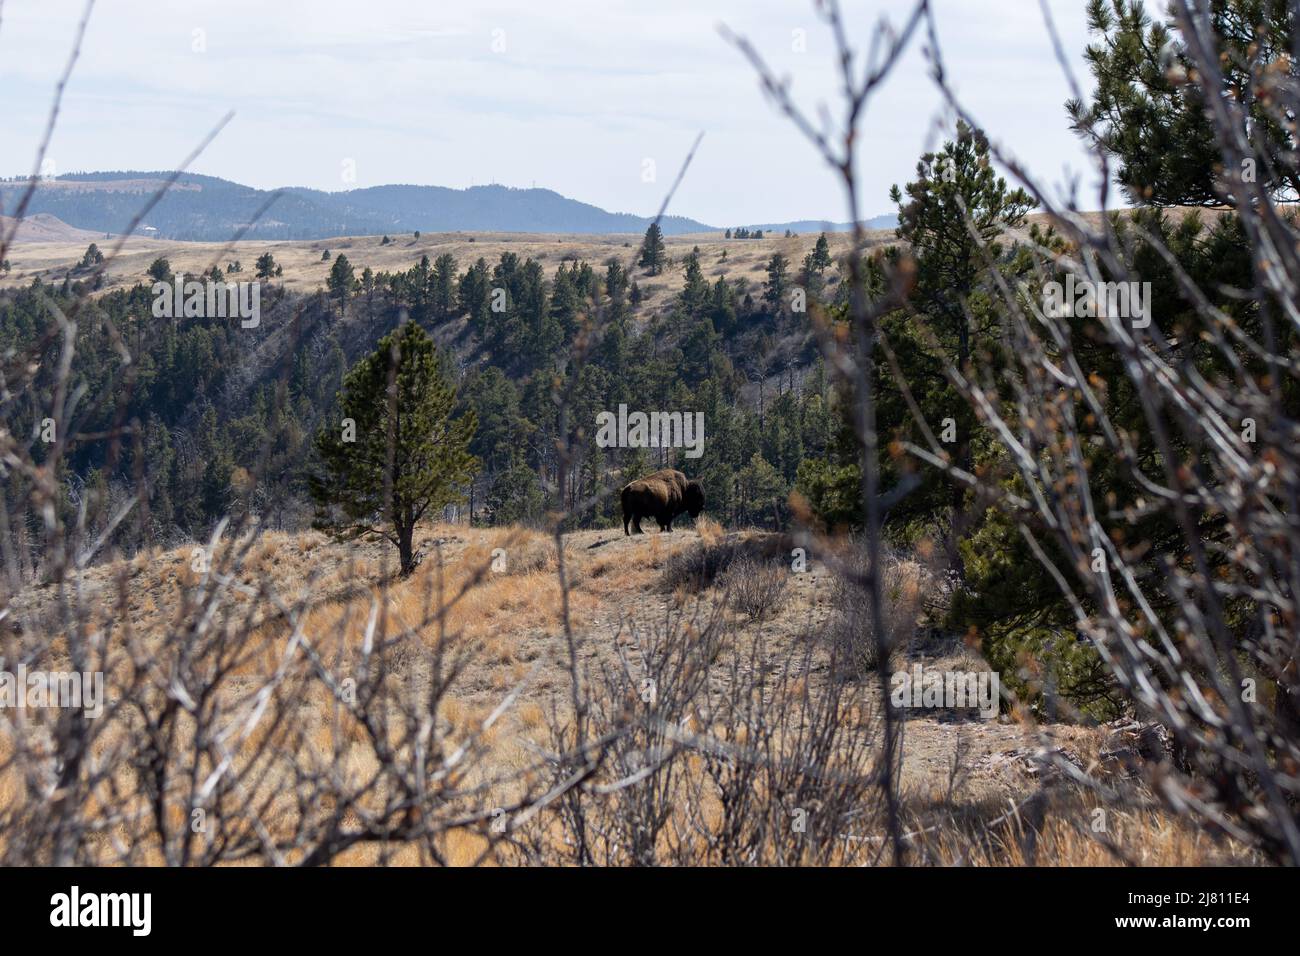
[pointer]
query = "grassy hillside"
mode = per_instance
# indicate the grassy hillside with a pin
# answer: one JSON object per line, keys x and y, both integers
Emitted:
{"x": 304, "y": 271}
{"x": 500, "y": 647}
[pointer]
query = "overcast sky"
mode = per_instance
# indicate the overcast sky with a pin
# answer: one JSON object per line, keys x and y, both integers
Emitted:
{"x": 572, "y": 95}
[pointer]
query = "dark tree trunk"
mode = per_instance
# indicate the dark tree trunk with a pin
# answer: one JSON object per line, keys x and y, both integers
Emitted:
{"x": 406, "y": 549}
{"x": 957, "y": 521}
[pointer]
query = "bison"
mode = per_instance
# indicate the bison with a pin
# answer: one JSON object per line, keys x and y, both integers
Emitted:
{"x": 662, "y": 496}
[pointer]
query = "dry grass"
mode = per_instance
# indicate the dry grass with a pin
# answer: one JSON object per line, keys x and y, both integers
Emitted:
{"x": 1066, "y": 829}
{"x": 503, "y": 613}
{"x": 305, "y": 272}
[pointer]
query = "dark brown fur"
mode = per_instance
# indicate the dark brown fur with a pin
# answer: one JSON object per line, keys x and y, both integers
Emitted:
{"x": 662, "y": 496}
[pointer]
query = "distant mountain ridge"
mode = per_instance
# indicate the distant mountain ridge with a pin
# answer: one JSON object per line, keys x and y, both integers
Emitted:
{"x": 210, "y": 209}
{"x": 802, "y": 226}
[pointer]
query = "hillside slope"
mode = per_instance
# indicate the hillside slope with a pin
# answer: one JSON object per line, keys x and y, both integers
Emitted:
{"x": 206, "y": 208}
{"x": 44, "y": 229}
{"x": 631, "y": 601}
{"x": 622, "y": 589}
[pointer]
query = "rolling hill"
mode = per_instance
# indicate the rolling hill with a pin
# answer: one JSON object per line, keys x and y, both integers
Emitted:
{"x": 210, "y": 209}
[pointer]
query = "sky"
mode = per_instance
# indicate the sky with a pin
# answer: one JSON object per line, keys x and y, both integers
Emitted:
{"x": 599, "y": 100}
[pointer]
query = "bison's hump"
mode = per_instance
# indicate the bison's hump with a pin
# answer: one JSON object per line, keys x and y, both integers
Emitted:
{"x": 654, "y": 486}
{"x": 664, "y": 477}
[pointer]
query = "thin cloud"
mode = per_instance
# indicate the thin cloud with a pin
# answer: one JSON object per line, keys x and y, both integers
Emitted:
{"x": 577, "y": 100}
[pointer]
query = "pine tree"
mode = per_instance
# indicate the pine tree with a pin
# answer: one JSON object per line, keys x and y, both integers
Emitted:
{"x": 398, "y": 455}
{"x": 1148, "y": 110}
{"x": 473, "y": 293}
{"x": 615, "y": 282}
{"x": 722, "y": 308}
{"x": 653, "y": 253}
{"x": 695, "y": 291}
{"x": 216, "y": 464}
{"x": 442, "y": 287}
{"x": 341, "y": 282}
{"x": 516, "y": 495}
{"x": 92, "y": 258}
{"x": 815, "y": 264}
{"x": 160, "y": 270}
{"x": 778, "y": 281}
{"x": 368, "y": 288}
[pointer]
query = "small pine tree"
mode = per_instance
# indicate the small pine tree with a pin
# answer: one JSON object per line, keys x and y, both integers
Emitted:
{"x": 341, "y": 281}
{"x": 821, "y": 254}
{"x": 778, "y": 281}
{"x": 92, "y": 258}
{"x": 160, "y": 270}
{"x": 653, "y": 254}
{"x": 407, "y": 457}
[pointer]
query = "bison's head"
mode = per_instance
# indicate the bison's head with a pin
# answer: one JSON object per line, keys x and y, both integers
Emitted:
{"x": 694, "y": 498}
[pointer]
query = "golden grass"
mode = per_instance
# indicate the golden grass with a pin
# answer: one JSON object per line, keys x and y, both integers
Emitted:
{"x": 508, "y": 614}
{"x": 1073, "y": 831}
{"x": 305, "y": 272}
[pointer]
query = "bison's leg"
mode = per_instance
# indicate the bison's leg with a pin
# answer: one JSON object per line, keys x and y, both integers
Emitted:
{"x": 626, "y": 517}
{"x": 636, "y": 523}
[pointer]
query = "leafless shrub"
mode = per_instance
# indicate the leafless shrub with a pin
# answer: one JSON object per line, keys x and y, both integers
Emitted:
{"x": 1188, "y": 642}
{"x": 708, "y": 561}
{"x": 850, "y": 629}
{"x": 246, "y": 732}
{"x": 699, "y": 565}
{"x": 717, "y": 756}
{"x": 1187, "y": 639}
{"x": 755, "y": 588}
